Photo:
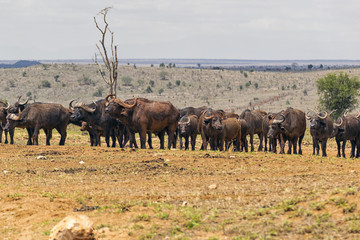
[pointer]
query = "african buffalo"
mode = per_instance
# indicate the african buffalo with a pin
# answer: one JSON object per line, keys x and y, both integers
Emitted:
{"x": 15, "y": 109}
{"x": 191, "y": 111}
{"x": 38, "y": 116}
{"x": 94, "y": 114}
{"x": 346, "y": 128}
{"x": 187, "y": 127}
{"x": 231, "y": 131}
{"x": 321, "y": 128}
{"x": 254, "y": 123}
{"x": 210, "y": 128}
{"x": 145, "y": 116}
{"x": 266, "y": 127}
{"x": 288, "y": 125}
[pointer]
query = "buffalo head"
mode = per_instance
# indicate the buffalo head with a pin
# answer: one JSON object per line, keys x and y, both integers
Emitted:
{"x": 81, "y": 110}
{"x": 276, "y": 125}
{"x": 184, "y": 124}
{"x": 214, "y": 121}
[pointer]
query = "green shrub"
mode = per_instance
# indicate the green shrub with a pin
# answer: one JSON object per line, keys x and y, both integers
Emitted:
{"x": 45, "y": 84}
{"x": 85, "y": 81}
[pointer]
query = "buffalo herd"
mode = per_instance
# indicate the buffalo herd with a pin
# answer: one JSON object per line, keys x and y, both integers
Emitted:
{"x": 119, "y": 121}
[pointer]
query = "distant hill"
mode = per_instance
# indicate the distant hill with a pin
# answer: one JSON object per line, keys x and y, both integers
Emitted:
{"x": 20, "y": 64}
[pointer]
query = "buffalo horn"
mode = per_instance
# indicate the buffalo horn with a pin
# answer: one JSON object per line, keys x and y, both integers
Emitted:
{"x": 278, "y": 120}
{"x": 125, "y": 105}
{"x": 109, "y": 96}
{"x": 326, "y": 114}
{"x": 7, "y": 107}
{"x": 188, "y": 122}
{"x": 346, "y": 113}
{"x": 208, "y": 118}
{"x": 339, "y": 124}
{"x": 71, "y": 104}
{"x": 358, "y": 115}
{"x": 308, "y": 116}
{"x": 26, "y": 101}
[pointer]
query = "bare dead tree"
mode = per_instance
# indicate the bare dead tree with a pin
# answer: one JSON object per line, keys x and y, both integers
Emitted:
{"x": 111, "y": 63}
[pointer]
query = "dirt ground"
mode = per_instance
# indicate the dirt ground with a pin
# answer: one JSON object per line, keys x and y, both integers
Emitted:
{"x": 173, "y": 194}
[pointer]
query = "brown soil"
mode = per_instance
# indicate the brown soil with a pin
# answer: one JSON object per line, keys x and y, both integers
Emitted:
{"x": 173, "y": 194}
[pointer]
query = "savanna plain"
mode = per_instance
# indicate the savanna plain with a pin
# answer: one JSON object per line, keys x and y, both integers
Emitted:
{"x": 175, "y": 194}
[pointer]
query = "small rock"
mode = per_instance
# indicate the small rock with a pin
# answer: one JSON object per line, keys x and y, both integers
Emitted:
{"x": 81, "y": 162}
{"x": 213, "y": 186}
{"x": 184, "y": 203}
{"x": 5, "y": 171}
{"x": 41, "y": 157}
{"x": 73, "y": 227}
{"x": 232, "y": 157}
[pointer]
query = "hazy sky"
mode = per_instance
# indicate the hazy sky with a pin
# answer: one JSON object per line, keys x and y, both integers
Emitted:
{"x": 236, "y": 29}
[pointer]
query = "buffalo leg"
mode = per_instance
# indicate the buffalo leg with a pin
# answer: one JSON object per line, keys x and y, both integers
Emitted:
{"x": 193, "y": 141}
{"x": 314, "y": 145}
{"x": 252, "y": 141}
{"x": 295, "y": 141}
{"x": 261, "y": 141}
{"x": 162, "y": 140}
{"x": 48, "y": 133}
{"x": 142, "y": 134}
{"x": 352, "y": 152}
{"x": 180, "y": 142}
{"x": 265, "y": 144}
{"x": 63, "y": 134}
{"x": 338, "y": 147}
{"x": 323, "y": 147}
{"x": 35, "y": 136}
{"x": 150, "y": 140}
{"x": 343, "y": 148}
{"x": 187, "y": 142}
{"x": 30, "y": 134}
{"x": 171, "y": 135}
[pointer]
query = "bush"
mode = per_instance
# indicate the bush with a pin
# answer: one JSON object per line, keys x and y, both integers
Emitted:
{"x": 163, "y": 75}
{"x": 152, "y": 83}
{"x": 148, "y": 90}
{"x": 126, "y": 80}
{"x": 256, "y": 85}
{"x": 85, "y": 81}
{"x": 177, "y": 82}
{"x": 338, "y": 92}
{"x": 56, "y": 77}
{"x": 45, "y": 84}
{"x": 161, "y": 91}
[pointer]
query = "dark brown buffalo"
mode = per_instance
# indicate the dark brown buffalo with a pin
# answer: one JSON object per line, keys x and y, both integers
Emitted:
{"x": 321, "y": 128}
{"x": 94, "y": 114}
{"x": 231, "y": 131}
{"x": 15, "y": 109}
{"x": 187, "y": 127}
{"x": 210, "y": 128}
{"x": 266, "y": 127}
{"x": 346, "y": 128}
{"x": 254, "y": 125}
{"x": 192, "y": 111}
{"x": 38, "y": 116}
{"x": 3, "y": 114}
{"x": 146, "y": 116}
{"x": 244, "y": 131}
{"x": 288, "y": 125}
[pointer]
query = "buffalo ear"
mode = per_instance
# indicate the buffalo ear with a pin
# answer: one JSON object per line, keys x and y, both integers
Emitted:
{"x": 206, "y": 121}
{"x": 270, "y": 117}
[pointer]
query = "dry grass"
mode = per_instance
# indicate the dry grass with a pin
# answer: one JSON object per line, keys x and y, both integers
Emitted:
{"x": 157, "y": 194}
